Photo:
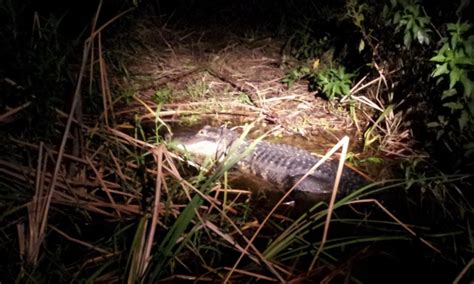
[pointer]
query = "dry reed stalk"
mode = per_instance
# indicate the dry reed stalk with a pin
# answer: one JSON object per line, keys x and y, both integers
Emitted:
{"x": 77, "y": 241}
{"x": 148, "y": 243}
{"x": 36, "y": 210}
{"x": 4, "y": 117}
{"x": 254, "y": 275}
{"x": 463, "y": 272}
{"x": 103, "y": 185}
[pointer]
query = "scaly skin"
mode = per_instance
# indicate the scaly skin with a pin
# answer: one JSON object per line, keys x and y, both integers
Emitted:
{"x": 279, "y": 164}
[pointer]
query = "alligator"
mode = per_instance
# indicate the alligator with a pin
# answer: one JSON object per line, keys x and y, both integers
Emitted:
{"x": 279, "y": 164}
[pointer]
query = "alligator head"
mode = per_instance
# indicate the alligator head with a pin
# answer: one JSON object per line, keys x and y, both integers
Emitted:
{"x": 207, "y": 142}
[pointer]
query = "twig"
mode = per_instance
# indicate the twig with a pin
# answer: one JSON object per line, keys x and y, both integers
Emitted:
{"x": 3, "y": 117}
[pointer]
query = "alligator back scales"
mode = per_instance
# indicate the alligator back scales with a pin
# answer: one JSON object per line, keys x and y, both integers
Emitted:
{"x": 280, "y": 164}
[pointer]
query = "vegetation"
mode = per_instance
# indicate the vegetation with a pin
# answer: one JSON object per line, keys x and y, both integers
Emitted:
{"x": 90, "y": 189}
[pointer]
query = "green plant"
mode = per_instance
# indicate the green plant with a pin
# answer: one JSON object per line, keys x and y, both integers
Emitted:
{"x": 454, "y": 63}
{"x": 357, "y": 12}
{"x": 163, "y": 95}
{"x": 455, "y": 60}
{"x": 334, "y": 82}
{"x": 409, "y": 17}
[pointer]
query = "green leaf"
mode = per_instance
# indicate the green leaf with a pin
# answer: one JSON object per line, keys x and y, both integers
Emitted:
{"x": 337, "y": 90}
{"x": 464, "y": 27}
{"x": 440, "y": 70}
{"x": 454, "y": 105}
{"x": 323, "y": 80}
{"x": 410, "y": 24}
{"x": 375, "y": 160}
{"x": 385, "y": 11}
{"x": 422, "y": 37}
{"x": 454, "y": 41}
{"x": 423, "y": 21}
{"x": 468, "y": 85}
{"x": 396, "y": 18}
{"x": 464, "y": 60}
{"x": 438, "y": 58}
{"x": 361, "y": 45}
{"x": 439, "y": 134}
{"x": 442, "y": 119}
{"x": 454, "y": 76}
{"x": 407, "y": 39}
{"x": 327, "y": 89}
{"x": 345, "y": 89}
{"x": 444, "y": 48}
{"x": 469, "y": 48}
{"x": 463, "y": 120}
{"x": 433, "y": 124}
{"x": 415, "y": 30}
{"x": 449, "y": 93}
{"x": 451, "y": 27}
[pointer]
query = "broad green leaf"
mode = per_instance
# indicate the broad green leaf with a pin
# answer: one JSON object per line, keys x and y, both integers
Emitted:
{"x": 415, "y": 30}
{"x": 327, "y": 89}
{"x": 442, "y": 119}
{"x": 375, "y": 160}
{"x": 468, "y": 85}
{"x": 423, "y": 21}
{"x": 323, "y": 80}
{"x": 469, "y": 48}
{"x": 443, "y": 49}
{"x": 433, "y": 124}
{"x": 385, "y": 11}
{"x": 336, "y": 89}
{"x": 438, "y": 58}
{"x": 345, "y": 89}
{"x": 396, "y": 18}
{"x": 464, "y": 27}
{"x": 361, "y": 45}
{"x": 410, "y": 24}
{"x": 454, "y": 76}
{"x": 440, "y": 70}
{"x": 454, "y": 41}
{"x": 464, "y": 60}
{"x": 451, "y": 27}
{"x": 439, "y": 134}
{"x": 407, "y": 39}
{"x": 422, "y": 37}
{"x": 449, "y": 93}
{"x": 463, "y": 120}
{"x": 454, "y": 105}
{"x": 450, "y": 54}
